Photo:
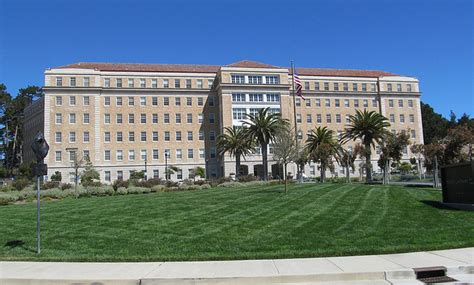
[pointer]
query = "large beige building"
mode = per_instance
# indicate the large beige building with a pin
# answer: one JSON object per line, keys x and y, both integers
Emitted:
{"x": 125, "y": 117}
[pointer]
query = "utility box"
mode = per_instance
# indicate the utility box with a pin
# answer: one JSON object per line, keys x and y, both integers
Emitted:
{"x": 458, "y": 183}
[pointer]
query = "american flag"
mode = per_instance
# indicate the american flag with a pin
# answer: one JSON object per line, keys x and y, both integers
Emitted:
{"x": 298, "y": 86}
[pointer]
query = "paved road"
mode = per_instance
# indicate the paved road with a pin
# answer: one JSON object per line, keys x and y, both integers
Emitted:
{"x": 371, "y": 269}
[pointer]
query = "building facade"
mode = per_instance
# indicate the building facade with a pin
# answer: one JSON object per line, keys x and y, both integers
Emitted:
{"x": 142, "y": 117}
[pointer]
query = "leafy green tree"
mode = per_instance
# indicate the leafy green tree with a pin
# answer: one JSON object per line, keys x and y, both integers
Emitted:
{"x": 56, "y": 176}
{"x": 435, "y": 127}
{"x": 458, "y": 144}
{"x": 235, "y": 142}
{"x": 404, "y": 167}
{"x": 90, "y": 175}
{"x": 137, "y": 175}
{"x": 370, "y": 128}
{"x": 285, "y": 150}
{"x": 322, "y": 148}
{"x": 392, "y": 150}
{"x": 347, "y": 158}
{"x": 262, "y": 128}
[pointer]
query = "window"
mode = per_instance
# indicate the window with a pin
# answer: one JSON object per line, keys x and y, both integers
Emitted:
{"x": 345, "y": 86}
{"x": 328, "y": 118}
{"x": 131, "y": 154}
{"x": 210, "y": 82}
{"x": 119, "y": 82}
{"x": 166, "y": 83}
{"x": 316, "y": 86}
{"x": 212, "y": 152}
{"x": 72, "y": 118}
{"x": 336, "y": 86}
{"x": 154, "y": 83}
{"x": 86, "y": 81}
{"x": 143, "y": 118}
{"x": 188, "y": 83}
{"x": 119, "y": 155}
{"x": 337, "y": 103}
{"x": 86, "y": 137}
{"x": 272, "y": 79}
{"x": 86, "y": 100}
{"x": 399, "y": 87}
{"x": 154, "y": 101}
{"x": 354, "y": 86}
{"x": 253, "y": 79}
{"x": 390, "y": 103}
{"x": 131, "y": 118}
{"x": 106, "y": 82}
{"x": 256, "y": 97}
{"x": 211, "y": 101}
{"x": 189, "y": 118}
{"x": 201, "y": 135}
{"x": 72, "y": 155}
{"x": 131, "y": 83}
{"x": 156, "y": 173}
{"x": 200, "y": 118}
{"x": 177, "y": 83}
{"x": 155, "y": 136}
{"x": 142, "y": 101}
{"x": 413, "y": 134}
{"x": 119, "y": 137}
{"x": 212, "y": 136}
{"x": 119, "y": 118}
{"x": 72, "y": 82}
{"x": 166, "y": 101}
{"x": 374, "y": 102}
{"x": 59, "y": 100}
{"x": 58, "y": 156}
{"x": 372, "y": 87}
{"x": 143, "y": 136}
{"x": 72, "y": 100}
{"x": 238, "y": 113}
{"x": 179, "y": 153}
{"x": 326, "y": 86}
{"x": 410, "y": 103}
{"x": 107, "y": 137}
{"x": 200, "y": 101}
{"x": 179, "y": 174}
{"x": 199, "y": 83}
{"x": 119, "y": 175}
{"x": 143, "y": 154}
{"x": 308, "y": 102}
{"x": 131, "y": 136}
{"x": 298, "y": 102}
{"x": 338, "y": 118}
{"x": 346, "y": 103}
{"x": 142, "y": 83}
{"x": 106, "y": 118}
{"x": 59, "y": 118}
{"x": 211, "y": 118}
{"x": 400, "y": 103}
{"x": 166, "y": 118}
{"x": 356, "y": 103}
{"x": 190, "y": 153}
{"x": 131, "y": 101}
{"x": 107, "y": 176}
{"x": 154, "y": 118}
{"x": 402, "y": 118}
{"x": 348, "y": 119}
{"x": 177, "y": 101}
{"x": 389, "y": 87}
{"x": 318, "y": 102}
{"x": 306, "y": 85}
{"x": 408, "y": 87}
{"x": 155, "y": 154}
{"x": 106, "y": 101}
{"x": 238, "y": 97}
{"x": 201, "y": 153}
{"x": 167, "y": 136}
{"x": 178, "y": 118}
{"x": 190, "y": 135}
{"x": 119, "y": 101}
{"x": 189, "y": 101}
{"x": 72, "y": 137}
{"x": 298, "y": 118}
{"x": 273, "y": 98}
{"x": 58, "y": 137}
{"x": 318, "y": 118}
{"x": 392, "y": 118}
{"x": 412, "y": 118}
{"x": 107, "y": 155}
{"x": 328, "y": 103}
{"x": 366, "y": 103}
{"x": 308, "y": 118}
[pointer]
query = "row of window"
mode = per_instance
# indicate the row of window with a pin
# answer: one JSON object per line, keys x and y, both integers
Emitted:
{"x": 255, "y": 97}
{"x": 143, "y": 101}
{"x": 240, "y": 113}
{"x": 309, "y": 118}
{"x": 347, "y": 102}
{"x": 255, "y": 79}
{"x": 137, "y": 82}
{"x": 336, "y": 86}
{"x": 340, "y": 132}
{"x": 119, "y": 136}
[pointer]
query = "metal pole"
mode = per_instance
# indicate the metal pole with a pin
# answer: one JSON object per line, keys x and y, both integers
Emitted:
{"x": 294, "y": 116}
{"x": 38, "y": 225}
{"x": 166, "y": 166}
{"x": 146, "y": 175}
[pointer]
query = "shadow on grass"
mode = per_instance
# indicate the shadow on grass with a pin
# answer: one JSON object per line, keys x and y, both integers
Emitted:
{"x": 438, "y": 205}
{"x": 18, "y": 243}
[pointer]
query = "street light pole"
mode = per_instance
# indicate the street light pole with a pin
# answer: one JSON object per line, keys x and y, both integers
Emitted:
{"x": 146, "y": 175}
{"x": 166, "y": 165}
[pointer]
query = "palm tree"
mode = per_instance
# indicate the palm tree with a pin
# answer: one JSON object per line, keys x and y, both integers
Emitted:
{"x": 322, "y": 147}
{"x": 235, "y": 142}
{"x": 262, "y": 127}
{"x": 370, "y": 128}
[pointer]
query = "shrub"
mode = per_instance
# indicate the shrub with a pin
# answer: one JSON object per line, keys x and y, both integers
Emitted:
{"x": 247, "y": 178}
{"x": 206, "y": 186}
{"x": 122, "y": 191}
{"x": 201, "y": 182}
{"x": 138, "y": 190}
{"x": 65, "y": 186}
{"x": 158, "y": 188}
{"x": 187, "y": 187}
{"x": 54, "y": 193}
{"x": 101, "y": 191}
{"x": 231, "y": 184}
{"x": 170, "y": 184}
{"x": 120, "y": 184}
{"x": 91, "y": 184}
{"x": 256, "y": 183}
{"x": 8, "y": 198}
{"x": 171, "y": 189}
{"x": 21, "y": 183}
{"x": 188, "y": 182}
{"x": 51, "y": 184}
{"x": 7, "y": 188}
{"x": 56, "y": 176}
{"x": 147, "y": 183}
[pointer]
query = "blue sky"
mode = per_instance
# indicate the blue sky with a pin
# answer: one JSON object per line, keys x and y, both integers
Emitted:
{"x": 431, "y": 39}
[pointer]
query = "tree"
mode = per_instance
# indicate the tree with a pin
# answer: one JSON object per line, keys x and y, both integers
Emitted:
{"x": 322, "y": 148}
{"x": 285, "y": 150}
{"x": 170, "y": 170}
{"x": 77, "y": 163}
{"x": 198, "y": 171}
{"x": 137, "y": 175}
{"x": 434, "y": 125}
{"x": 262, "y": 127}
{"x": 56, "y": 176}
{"x": 417, "y": 149}
{"x": 370, "y": 128}
{"x": 392, "y": 149}
{"x": 89, "y": 175}
{"x": 346, "y": 159}
{"x": 234, "y": 142}
{"x": 458, "y": 144}
{"x": 404, "y": 167}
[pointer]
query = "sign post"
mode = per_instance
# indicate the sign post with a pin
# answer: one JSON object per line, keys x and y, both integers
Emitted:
{"x": 40, "y": 148}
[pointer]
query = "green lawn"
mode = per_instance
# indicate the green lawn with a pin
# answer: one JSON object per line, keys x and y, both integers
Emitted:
{"x": 240, "y": 223}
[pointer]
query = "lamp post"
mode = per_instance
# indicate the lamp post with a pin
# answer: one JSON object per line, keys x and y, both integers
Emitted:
{"x": 166, "y": 165}
{"x": 146, "y": 175}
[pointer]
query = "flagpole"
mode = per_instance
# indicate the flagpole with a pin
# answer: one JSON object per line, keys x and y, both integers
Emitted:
{"x": 294, "y": 114}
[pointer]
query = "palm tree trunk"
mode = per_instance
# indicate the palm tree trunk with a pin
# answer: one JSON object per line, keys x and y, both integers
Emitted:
{"x": 368, "y": 164}
{"x": 264, "y": 161}
{"x": 323, "y": 172}
{"x": 237, "y": 165}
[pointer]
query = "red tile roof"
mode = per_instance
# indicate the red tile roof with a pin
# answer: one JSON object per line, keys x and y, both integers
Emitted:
{"x": 200, "y": 68}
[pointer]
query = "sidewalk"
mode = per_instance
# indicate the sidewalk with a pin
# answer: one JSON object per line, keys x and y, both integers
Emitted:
{"x": 370, "y": 269}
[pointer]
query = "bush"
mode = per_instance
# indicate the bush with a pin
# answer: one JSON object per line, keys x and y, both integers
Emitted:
{"x": 8, "y": 198}
{"x": 56, "y": 176}
{"x": 170, "y": 184}
{"x": 65, "y": 186}
{"x": 120, "y": 184}
{"x": 158, "y": 188}
{"x": 51, "y": 184}
{"x": 54, "y": 193}
{"x": 91, "y": 184}
{"x": 188, "y": 182}
{"x": 201, "y": 182}
{"x": 256, "y": 183}
{"x": 122, "y": 191}
{"x": 101, "y": 191}
{"x": 231, "y": 184}
{"x": 138, "y": 190}
{"x": 187, "y": 187}
{"x": 247, "y": 178}
{"x": 147, "y": 183}
{"x": 7, "y": 188}
{"x": 206, "y": 186}
{"x": 21, "y": 183}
